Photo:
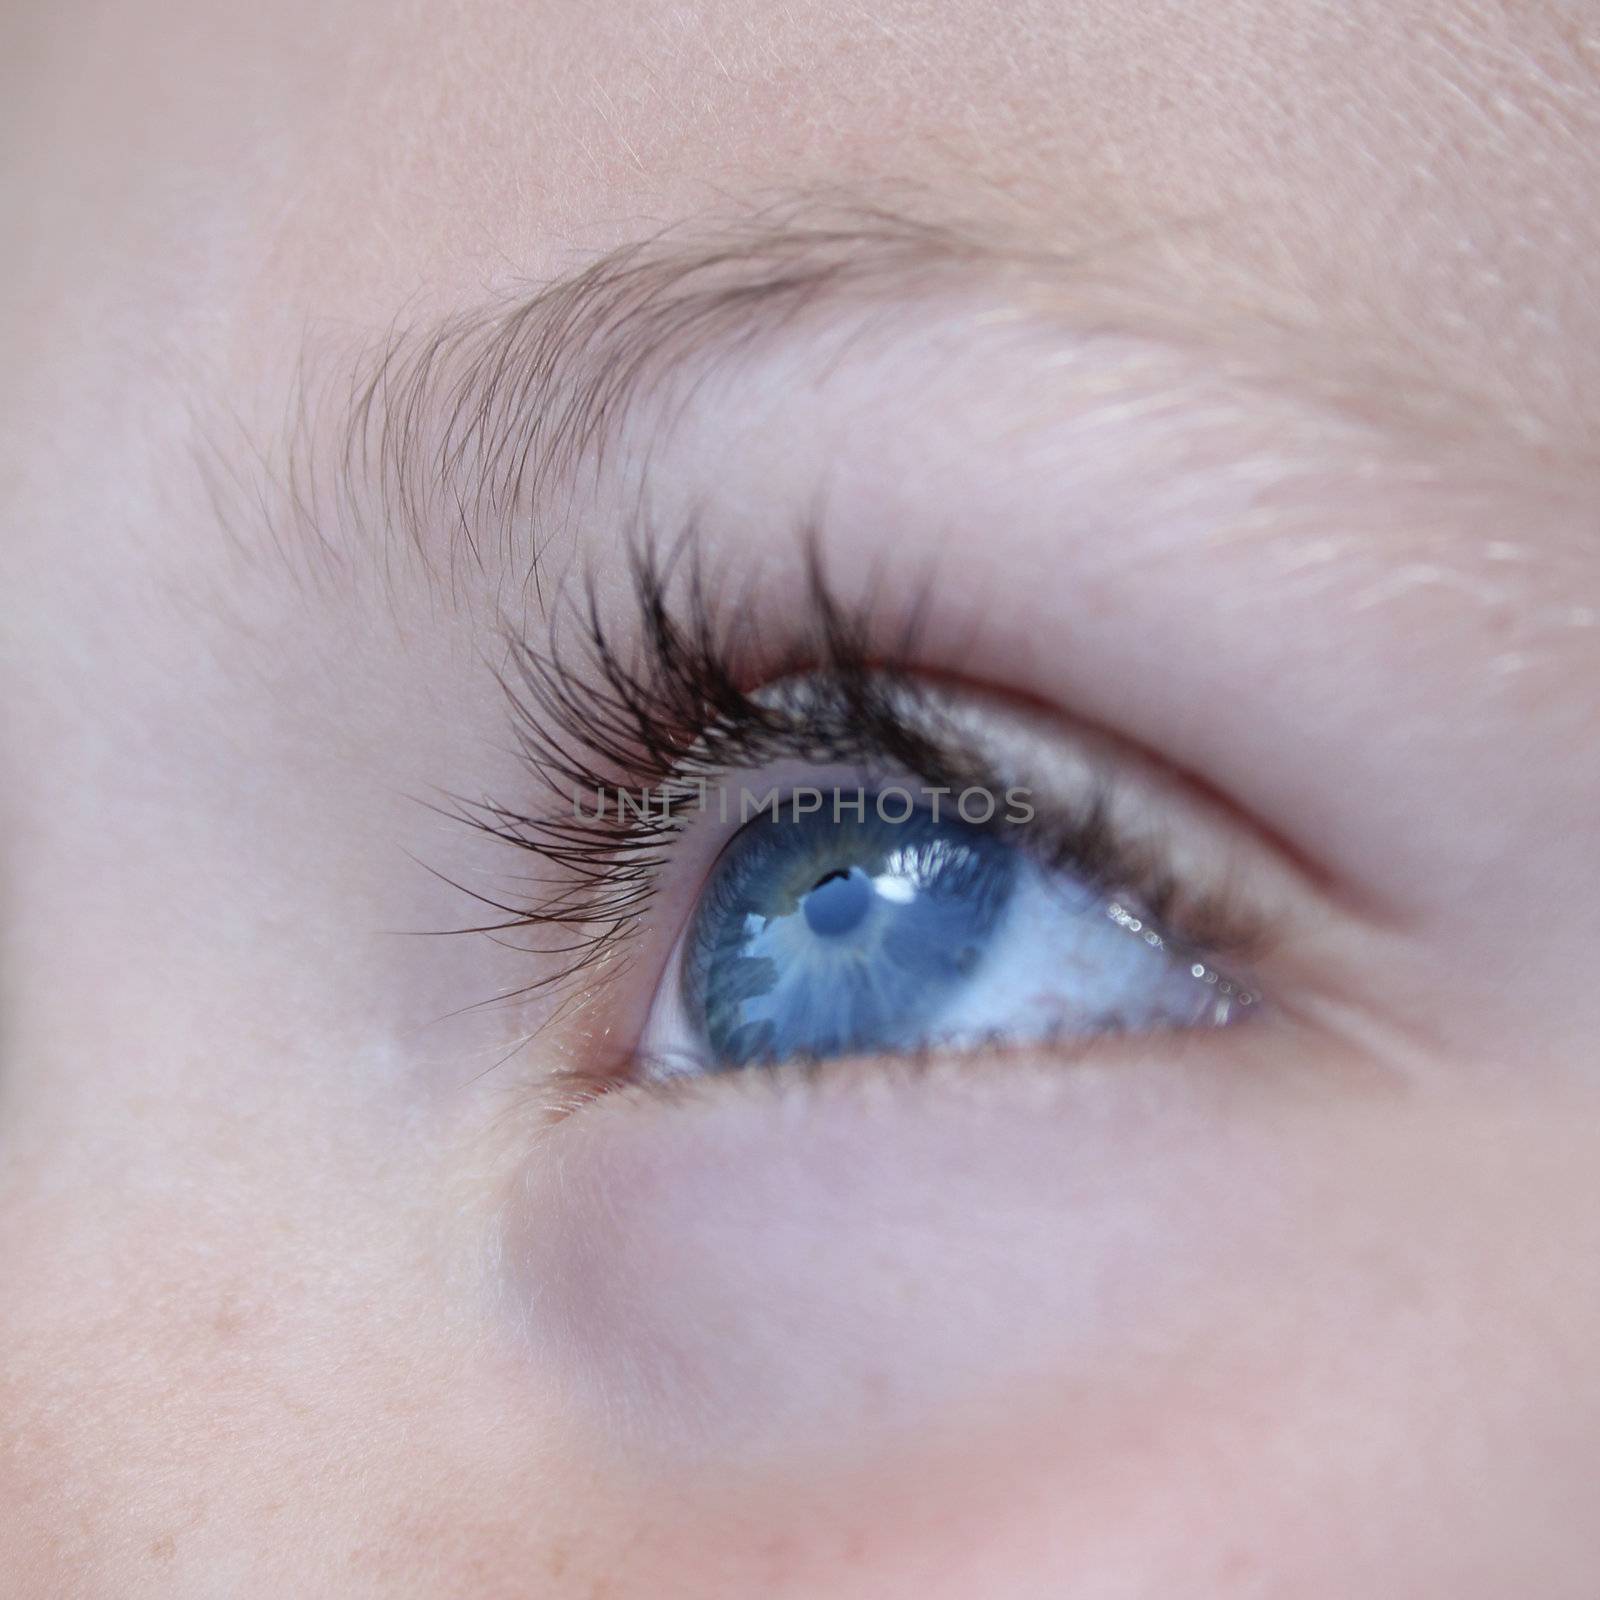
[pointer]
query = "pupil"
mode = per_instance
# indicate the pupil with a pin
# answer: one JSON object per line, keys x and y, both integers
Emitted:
{"x": 837, "y": 902}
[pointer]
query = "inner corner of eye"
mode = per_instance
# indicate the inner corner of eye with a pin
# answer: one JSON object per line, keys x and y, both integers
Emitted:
{"x": 888, "y": 917}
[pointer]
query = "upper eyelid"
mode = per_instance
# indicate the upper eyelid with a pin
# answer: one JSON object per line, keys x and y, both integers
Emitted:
{"x": 650, "y": 722}
{"x": 432, "y": 445}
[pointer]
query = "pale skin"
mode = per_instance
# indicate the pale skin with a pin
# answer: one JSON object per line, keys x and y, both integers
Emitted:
{"x": 1249, "y": 423}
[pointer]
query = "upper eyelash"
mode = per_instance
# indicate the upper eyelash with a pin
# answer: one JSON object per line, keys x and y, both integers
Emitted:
{"x": 677, "y": 705}
{"x": 672, "y": 704}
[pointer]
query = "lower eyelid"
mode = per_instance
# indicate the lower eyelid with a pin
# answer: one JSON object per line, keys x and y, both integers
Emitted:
{"x": 697, "y": 1239}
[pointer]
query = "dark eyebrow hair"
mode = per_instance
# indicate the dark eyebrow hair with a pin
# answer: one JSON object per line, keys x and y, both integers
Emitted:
{"x": 443, "y": 437}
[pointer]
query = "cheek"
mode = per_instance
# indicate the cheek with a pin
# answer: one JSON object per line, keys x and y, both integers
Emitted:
{"x": 1102, "y": 1316}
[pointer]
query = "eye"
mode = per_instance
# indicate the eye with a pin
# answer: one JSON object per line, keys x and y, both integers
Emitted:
{"x": 848, "y": 922}
{"x": 931, "y": 864}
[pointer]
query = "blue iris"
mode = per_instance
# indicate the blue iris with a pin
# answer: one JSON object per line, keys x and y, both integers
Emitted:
{"x": 824, "y": 934}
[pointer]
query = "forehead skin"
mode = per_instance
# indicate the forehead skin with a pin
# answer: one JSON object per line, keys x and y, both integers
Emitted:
{"x": 1412, "y": 178}
{"x": 1407, "y": 188}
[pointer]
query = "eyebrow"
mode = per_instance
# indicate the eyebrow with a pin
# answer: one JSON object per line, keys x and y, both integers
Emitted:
{"x": 442, "y": 438}
{"x": 454, "y": 445}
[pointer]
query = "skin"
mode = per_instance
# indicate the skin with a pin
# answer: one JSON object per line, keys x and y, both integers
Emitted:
{"x": 302, "y": 1290}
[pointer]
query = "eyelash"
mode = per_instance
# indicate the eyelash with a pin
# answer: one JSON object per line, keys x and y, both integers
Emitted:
{"x": 679, "y": 708}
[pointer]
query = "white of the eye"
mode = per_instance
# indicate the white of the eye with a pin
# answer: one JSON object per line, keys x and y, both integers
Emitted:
{"x": 1064, "y": 961}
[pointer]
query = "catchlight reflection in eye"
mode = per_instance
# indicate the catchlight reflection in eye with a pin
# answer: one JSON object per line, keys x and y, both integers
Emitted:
{"x": 840, "y": 932}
